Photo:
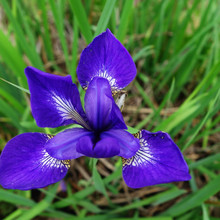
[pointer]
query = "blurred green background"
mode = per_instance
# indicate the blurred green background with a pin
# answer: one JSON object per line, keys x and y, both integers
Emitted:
{"x": 176, "y": 48}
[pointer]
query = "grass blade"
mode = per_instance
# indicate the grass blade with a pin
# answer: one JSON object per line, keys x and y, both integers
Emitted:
{"x": 125, "y": 17}
{"x": 194, "y": 199}
{"x": 104, "y": 19}
{"x": 80, "y": 14}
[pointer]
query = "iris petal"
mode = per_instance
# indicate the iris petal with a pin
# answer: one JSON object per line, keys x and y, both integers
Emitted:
{"x": 103, "y": 148}
{"x": 100, "y": 107}
{"x": 159, "y": 160}
{"x": 129, "y": 145}
{"x": 25, "y": 164}
{"x": 106, "y": 57}
{"x": 55, "y": 100}
{"x": 63, "y": 145}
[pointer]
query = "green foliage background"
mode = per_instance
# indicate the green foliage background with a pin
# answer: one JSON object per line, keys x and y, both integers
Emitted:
{"x": 176, "y": 48}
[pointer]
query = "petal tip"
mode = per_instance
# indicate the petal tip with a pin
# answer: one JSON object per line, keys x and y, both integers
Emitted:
{"x": 158, "y": 161}
{"x": 29, "y": 70}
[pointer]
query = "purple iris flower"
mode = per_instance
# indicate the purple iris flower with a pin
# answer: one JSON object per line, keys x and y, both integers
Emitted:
{"x": 35, "y": 160}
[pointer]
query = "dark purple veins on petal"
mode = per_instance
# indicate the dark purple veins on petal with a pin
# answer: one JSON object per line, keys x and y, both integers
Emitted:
{"x": 25, "y": 164}
{"x": 101, "y": 110}
{"x": 158, "y": 160}
{"x": 55, "y": 100}
{"x": 106, "y": 57}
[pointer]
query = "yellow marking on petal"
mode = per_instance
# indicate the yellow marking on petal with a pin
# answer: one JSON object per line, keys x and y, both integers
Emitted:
{"x": 130, "y": 160}
{"x": 114, "y": 92}
{"x": 126, "y": 161}
{"x": 66, "y": 163}
{"x": 50, "y": 136}
{"x": 137, "y": 135}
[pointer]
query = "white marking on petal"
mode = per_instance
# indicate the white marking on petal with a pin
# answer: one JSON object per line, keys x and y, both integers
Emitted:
{"x": 64, "y": 106}
{"x": 67, "y": 110}
{"x": 49, "y": 162}
{"x": 105, "y": 74}
{"x": 143, "y": 156}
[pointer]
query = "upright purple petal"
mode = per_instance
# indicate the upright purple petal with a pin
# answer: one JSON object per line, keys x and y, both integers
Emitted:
{"x": 25, "y": 164}
{"x": 63, "y": 145}
{"x": 106, "y": 57}
{"x": 128, "y": 144}
{"x": 100, "y": 107}
{"x": 159, "y": 160}
{"x": 55, "y": 100}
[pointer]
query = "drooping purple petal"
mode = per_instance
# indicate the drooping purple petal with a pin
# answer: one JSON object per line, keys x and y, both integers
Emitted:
{"x": 25, "y": 164}
{"x": 63, "y": 145}
{"x": 106, "y": 57}
{"x": 100, "y": 107}
{"x": 55, "y": 100}
{"x": 102, "y": 148}
{"x": 159, "y": 160}
{"x": 129, "y": 145}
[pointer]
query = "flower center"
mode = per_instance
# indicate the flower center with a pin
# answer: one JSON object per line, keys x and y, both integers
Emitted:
{"x": 96, "y": 139}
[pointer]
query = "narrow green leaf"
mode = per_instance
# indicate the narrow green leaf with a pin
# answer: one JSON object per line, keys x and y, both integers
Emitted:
{"x": 146, "y": 99}
{"x": 74, "y": 50}
{"x": 202, "y": 122}
{"x": 57, "y": 10}
{"x": 104, "y": 19}
{"x": 125, "y": 17}
{"x": 14, "y": 215}
{"x": 46, "y": 33}
{"x": 132, "y": 130}
{"x": 98, "y": 182}
{"x": 9, "y": 196}
{"x": 143, "y": 53}
{"x": 149, "y": 200}
{"x": 89, "y": 206}
{"x": 11, "y": 113}
{"x": 12, "y": 58}
{"x": 80, "y": 14}
{"x": 205, "y": 213}
{"x": 187, "y": 112}
{"x": 12, "y": 84}
{"x": 205, "y": 161}
{"x": 41, "y": 206}
{"x": 87, "y": 191}
{"x": 206, "y": 81}
{"x": 11, "y": 100}
{"x": 145, "y": 218}
{"x": 29, "y": 49}
{"x": 195, "y": 199}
